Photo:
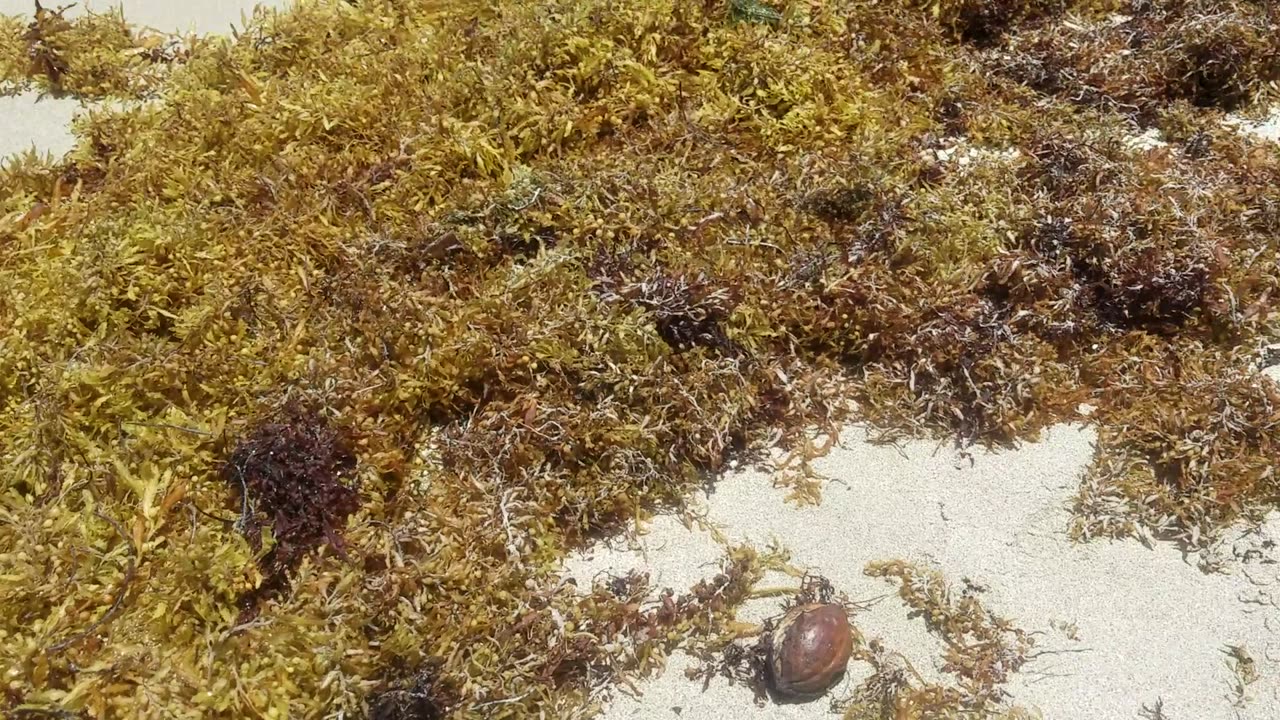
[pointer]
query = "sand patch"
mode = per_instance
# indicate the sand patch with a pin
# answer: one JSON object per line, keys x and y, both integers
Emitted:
{"x": 1119, "y": 625}
{"x": 200, "y": 16}
{"x": 35, "y": 122}
{"x": 1267, "y": 128}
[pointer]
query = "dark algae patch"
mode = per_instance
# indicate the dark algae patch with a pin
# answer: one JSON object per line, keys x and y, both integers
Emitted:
{"x": 314, "y": 366}
{"x": 289, "y": 473}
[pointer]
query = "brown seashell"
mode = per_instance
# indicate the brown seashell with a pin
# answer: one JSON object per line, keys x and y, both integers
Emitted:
{"x": 810, "y": 650}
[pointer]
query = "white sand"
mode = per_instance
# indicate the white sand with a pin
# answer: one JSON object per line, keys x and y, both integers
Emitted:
{"x": 201, "y": 16}
{"x": 1149, "y": 624}
{"x": 1267, "y": 128}
{"x": 32, "y": 122}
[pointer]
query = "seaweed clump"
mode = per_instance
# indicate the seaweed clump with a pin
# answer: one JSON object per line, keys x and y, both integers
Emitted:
{"x": 983, "y": 649}
{"x": 1208, "y": 54}
{"x": 420, "y": 697}
{"x": 46, "y": 58}
{"x": 986, "y": 22}
{"x": 982, "y": 653}
{"x": 538, "y": 268}
{"x": 92, "y": 55}
{"x": 289, "y": 473}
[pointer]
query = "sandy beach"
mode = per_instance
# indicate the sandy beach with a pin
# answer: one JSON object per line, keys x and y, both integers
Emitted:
{"x": 1117, "y": 625}
{"x": 33, "y": 122}
{"x": 1123, "y": 629}
{"x": 202, "y": 16}
{"x": 1120, "y": 628}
